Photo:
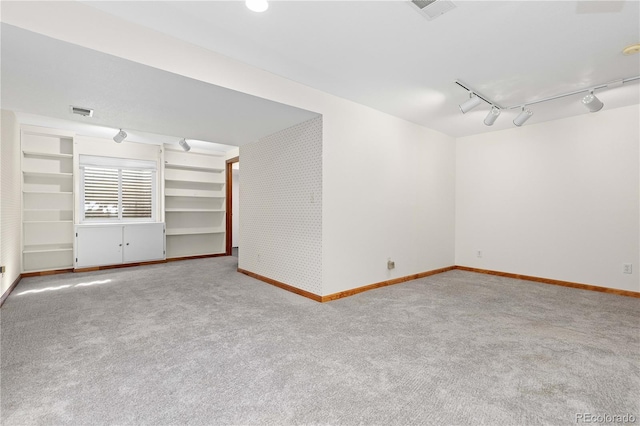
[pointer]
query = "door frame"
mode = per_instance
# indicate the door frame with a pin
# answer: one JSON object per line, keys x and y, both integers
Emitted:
{"x": 229, "y": 208}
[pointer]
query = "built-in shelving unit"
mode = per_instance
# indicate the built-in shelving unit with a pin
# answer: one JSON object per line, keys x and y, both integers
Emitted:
{"x": 47, "y": 199}
{"x": 194, "y": 190}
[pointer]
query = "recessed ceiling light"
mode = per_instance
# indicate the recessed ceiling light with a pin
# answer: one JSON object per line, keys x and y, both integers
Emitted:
{"x": 630, "y": 50}
{"x": 257, "y": 5}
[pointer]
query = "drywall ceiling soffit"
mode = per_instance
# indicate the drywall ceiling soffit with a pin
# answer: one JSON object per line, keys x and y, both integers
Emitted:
{"x": 42, "y": 77}
{"x": 384, "y": 54}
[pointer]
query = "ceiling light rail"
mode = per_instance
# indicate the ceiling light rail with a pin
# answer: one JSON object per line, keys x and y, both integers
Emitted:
{"x": 475, "y": 92}
{"x": 614, "y": 83}
{"x": 590, "y": 101}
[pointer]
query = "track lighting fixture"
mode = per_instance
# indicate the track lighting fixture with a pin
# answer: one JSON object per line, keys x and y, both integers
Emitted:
{"x": 493, "y": 115}
{"x": 183, "y": 143}
{"x": 592, "y": 103}
{"x": 120, "y": 136}
{"x": 522, "y": 117}
{"x": 470, "y": 103}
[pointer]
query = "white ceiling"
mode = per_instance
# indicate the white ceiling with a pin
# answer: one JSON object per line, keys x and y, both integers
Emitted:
{"x": 386, "y": 55}
{"x": 42, "y": 77}
{"x": 383, "y": 54}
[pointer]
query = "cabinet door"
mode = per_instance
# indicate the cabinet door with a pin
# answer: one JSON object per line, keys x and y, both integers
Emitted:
{"x": 143, "y": 242}
{"x": 98, "y": 245}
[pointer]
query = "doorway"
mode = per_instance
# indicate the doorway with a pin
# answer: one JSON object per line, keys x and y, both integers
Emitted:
{"x": 233, "y": 210}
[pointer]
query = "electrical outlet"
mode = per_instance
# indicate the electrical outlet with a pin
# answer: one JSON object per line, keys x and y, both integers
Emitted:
{"x": 627, "y": 268}
{"x": 478, "y": 253}
{"x": 391, "y": 264}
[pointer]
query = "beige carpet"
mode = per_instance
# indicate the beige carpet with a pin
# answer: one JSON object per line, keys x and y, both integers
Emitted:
{"x": 195, "y": 342}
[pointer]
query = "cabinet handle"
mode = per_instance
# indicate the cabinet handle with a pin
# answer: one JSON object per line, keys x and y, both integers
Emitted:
{"x": 120, "y": 244}
{"x": 127, "y": 243}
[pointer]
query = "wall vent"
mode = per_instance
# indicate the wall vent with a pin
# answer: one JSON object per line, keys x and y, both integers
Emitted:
{"x": 85, "y": 112}
{"x": 431, "y": 9}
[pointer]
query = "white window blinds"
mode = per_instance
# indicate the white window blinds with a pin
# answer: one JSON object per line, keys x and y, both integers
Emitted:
{"x": 101, "y": 193}
{"x": 117, "y": 190}
{"x": 137, "y": 197}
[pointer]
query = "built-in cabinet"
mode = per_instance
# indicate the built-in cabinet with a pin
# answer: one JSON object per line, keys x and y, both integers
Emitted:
{"x": 194, "y": 190}
{"x": 113, "y": 244}
{"x": 47, "y": 199}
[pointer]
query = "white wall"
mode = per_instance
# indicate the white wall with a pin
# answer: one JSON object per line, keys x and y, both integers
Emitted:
{"x": 235, "y": 207}
{"x": 10, "y": 209}
{"x": 388, "y": 190}
{"x": 281, "y": 201}
{"x": 556, "y": 200}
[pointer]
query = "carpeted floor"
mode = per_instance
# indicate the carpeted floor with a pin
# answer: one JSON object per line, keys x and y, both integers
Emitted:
{"x": 195, "y": 342}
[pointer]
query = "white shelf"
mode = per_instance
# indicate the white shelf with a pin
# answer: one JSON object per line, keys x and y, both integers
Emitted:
{"x": 43, "y": 210}
{"x": 48, "y": 192}
{"x": 197, "y": 168}
{"x": 193, "y": 231}
{"x": 46, "y": 154}
{"x": 53, "y": 175}
{"x": 191, "y": 181}
{"x": 47, "y": 202}
{"x": 192, "y": 195}
{"x": 47, "y": 215}
{"x": 26, "y": 222}
{"x": 47, "y": 248}
{"x": 194, "y": 210}
{"x": 194, "y": 203}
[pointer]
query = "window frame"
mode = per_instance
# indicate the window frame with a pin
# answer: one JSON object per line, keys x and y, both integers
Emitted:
{"x": 118, "y": 164}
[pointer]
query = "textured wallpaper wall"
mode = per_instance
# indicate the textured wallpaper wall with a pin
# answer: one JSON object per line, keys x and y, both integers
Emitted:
{"x": 281, "y": 200}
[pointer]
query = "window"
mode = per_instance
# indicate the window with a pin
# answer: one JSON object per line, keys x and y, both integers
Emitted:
{"x": 117, "y": 190}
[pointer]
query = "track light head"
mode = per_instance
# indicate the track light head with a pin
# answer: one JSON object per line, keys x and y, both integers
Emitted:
{"x": 592, "y": 103}
{"x": 470, "y": 103}
{"x": 522, "y": 117}
{"x": 183, "y": 143}
{"x": 492, "y": 116}
{"x": 120, "y": 136}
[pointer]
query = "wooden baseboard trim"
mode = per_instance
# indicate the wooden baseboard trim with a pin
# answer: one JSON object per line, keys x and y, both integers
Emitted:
{"x": 552, "y": 282}
{"x": 123, "y": 265}
{"x": 346, "y": 293}
{"x": 201, "y": 256}
{"x": 394, "y": 281}
{"x": 9, "y": 290}
{"x": 43, "y": 273}
{"x": 281, "y": 285}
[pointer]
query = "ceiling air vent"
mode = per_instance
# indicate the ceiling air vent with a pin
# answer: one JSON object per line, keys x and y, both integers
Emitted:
{"x": 431, "y": 9}
{"x": 85, "y": 112}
